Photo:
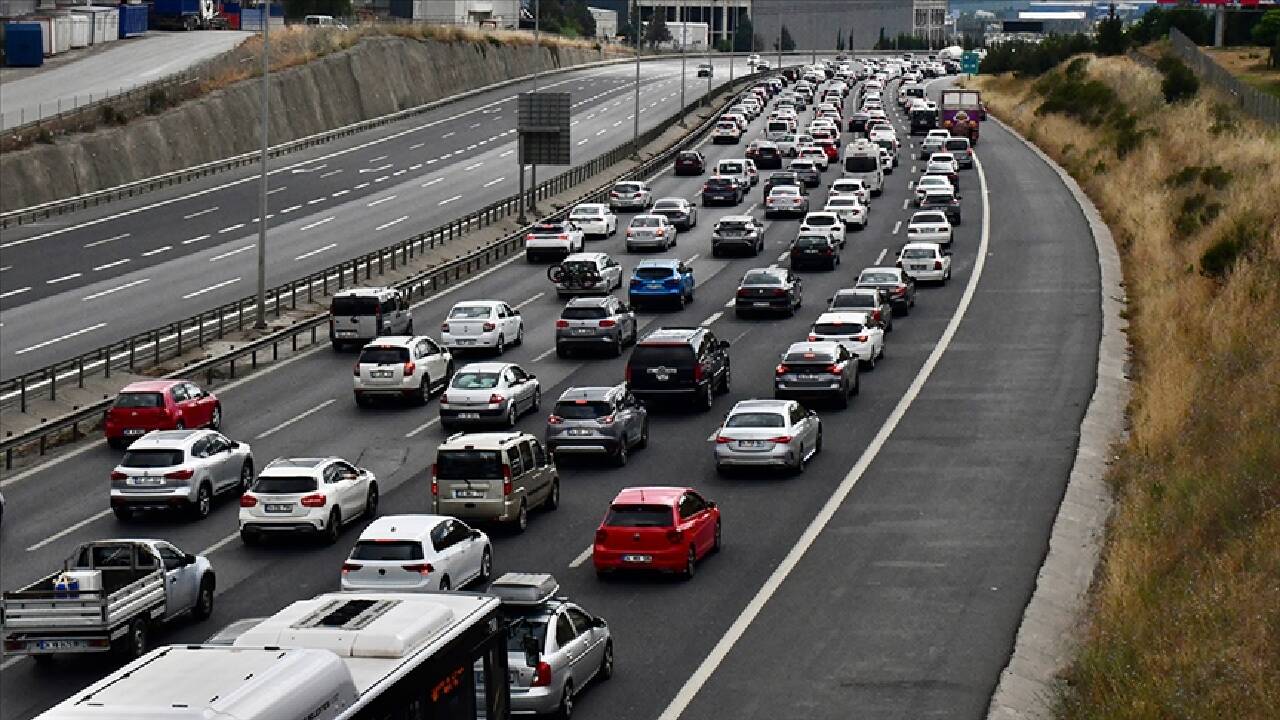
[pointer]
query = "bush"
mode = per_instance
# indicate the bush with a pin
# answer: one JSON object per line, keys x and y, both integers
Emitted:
{"x": 1179, "y": 82}
{"x": 1220, "y": 258}
{"x": 157, "y": 101}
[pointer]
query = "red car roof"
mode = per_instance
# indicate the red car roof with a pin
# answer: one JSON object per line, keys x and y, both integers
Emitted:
{"x": 650, "y": 495}
{"x": 150, "y": 385}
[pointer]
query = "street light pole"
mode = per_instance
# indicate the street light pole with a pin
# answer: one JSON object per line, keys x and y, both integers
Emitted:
{"x": 635, "y": 125}
{"x": 725, "y": 19}
{"x": 684, "y": 48}
{"x": 537, "y": 45}
{"x": 260, "y": 319}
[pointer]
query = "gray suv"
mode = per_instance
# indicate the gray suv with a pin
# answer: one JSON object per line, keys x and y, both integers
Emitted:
{"x": 595, "y": 322}
{"x": 359, "y": 315}
{"x": 597, "y": 421}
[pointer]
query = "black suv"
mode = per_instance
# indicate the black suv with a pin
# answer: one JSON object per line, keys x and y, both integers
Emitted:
{"x": 685, "y": 363}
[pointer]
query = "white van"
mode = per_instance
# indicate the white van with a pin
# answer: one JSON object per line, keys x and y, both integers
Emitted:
{"x": 862, "y": 161}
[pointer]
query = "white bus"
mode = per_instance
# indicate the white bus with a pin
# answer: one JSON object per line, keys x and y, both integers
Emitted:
{"x": 339, "y": 656}
{"x": 862, "y": 161}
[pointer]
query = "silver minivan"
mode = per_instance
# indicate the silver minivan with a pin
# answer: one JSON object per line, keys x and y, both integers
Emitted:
{"x": 359, "y": 315}
{"x": 498, "y": 476}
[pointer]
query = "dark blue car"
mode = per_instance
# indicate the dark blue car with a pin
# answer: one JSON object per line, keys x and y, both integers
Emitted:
{"x": 666, "y": 280}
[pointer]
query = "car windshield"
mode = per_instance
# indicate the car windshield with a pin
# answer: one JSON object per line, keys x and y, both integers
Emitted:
{"x": 664, "y": 355}
{"x": 719, "y": 182}
{"x": 583, "y": 313}
{"x": 853, "y": 300}
{"x": 471, "y": 380}
{"x": 354, "y": 306}
{"x": 837, "y": 328}
{"x": 756, "y": 420}
{"x": 917, "y": 254}
{"x": 928, "y": 218}
{"x": 270, "y": 485}
{"x": 582, "y": 409}
{"x": 653, "y": 273}
{"x": 802, "y": 164}
{"x": 761, "y": 278}
{"x": 878, "y": 278}
{"x": 392, "y": 550}
{"x": 139, "y": 400}
{"x": 627, "y": 188}
{"x": 959, "y": 145}
{"x": 470, "y": 312}
{"x": 580, "y": 267}
{"x": 645, "y": 222}
{"x": 811, "y": 241}
{"x": 639, "y": 516}
{"x": 820, "y": 220}
{"x": 733, "y": 226}
{"x": 861, "y": 163}
{"x": 468, "y": 465}
{"x": 151, "y": 458}
{"x": 729, "y": 168}
{"x": 384, "y": 356}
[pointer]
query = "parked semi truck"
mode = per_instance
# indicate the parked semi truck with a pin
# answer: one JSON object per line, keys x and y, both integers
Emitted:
{"x": 961, "y": 112}
{"x": 186, "y": 15}
{"x": 108, "y": 597}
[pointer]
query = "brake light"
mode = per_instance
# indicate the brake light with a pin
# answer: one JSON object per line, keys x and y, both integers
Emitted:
{"x": 313, "y": 501}
{"x": 781, "y": 439}
{"x": 248, "y": 501}
{"x": 444, "y": 327}
{"x": 722, "y": 440}
{"x": 350, "y": 567}
{"x": 529, "y": 236}
{"x": 420, "y": 568}
{"x": 542, "y": 675}
{"x": 565, "y": 323}
{"x": 117, "y": 475}
{"x": 626, "y": 375}
{"x": 937, "y": 264}
{"x": 562, "y": 237}
{"x": 812, "y": 337}
{"x": 554, "y": 419}
{"x": 601, "y": 536}
{"x": 495, "y": 398}
{"x": 606, "y": 420}
{"x": 355, "y": 369}
{"x": 698, "y": 373}
{"x": 860, "y": 338}
{"x": 489, "y": 326}
{"x": 180, "y": 474}
{"x": 675, "y": 536}
{"x": 782, "y": 370}
{"x": 900, "y": 290}
{"x": 608, "y": 323}
{"x": 779, "y": 292}
{"x": 409, "y": 367}
{"x": 435, "y": 485}
{"x": 629, "y": 232}
{"x": 832, "y": 368}
{"x": 507, "y": 486}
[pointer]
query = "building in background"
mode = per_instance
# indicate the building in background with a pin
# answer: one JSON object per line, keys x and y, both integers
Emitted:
{"x": 720, "y": 16}
{"x": 929, "y": 20}
{"x": 606, "y": 22}
{"x": 484, "y": 13}
{"x": 814, "y": 24}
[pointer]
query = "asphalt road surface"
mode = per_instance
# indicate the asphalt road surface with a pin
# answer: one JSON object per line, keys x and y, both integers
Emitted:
{"x": 81, "y": 280}
{"x": 888, "y": 581}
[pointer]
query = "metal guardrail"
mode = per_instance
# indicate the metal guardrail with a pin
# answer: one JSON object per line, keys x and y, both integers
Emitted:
{"x": 171, "y": 340}
{"x": 1253, "y": 101}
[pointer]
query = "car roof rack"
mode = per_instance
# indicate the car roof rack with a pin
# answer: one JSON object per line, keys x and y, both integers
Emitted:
{"x": 525, "y": 589}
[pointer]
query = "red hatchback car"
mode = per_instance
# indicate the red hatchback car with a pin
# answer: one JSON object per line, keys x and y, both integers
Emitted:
{"x": 160, "y": 405}
{"x": 656, "y": 528}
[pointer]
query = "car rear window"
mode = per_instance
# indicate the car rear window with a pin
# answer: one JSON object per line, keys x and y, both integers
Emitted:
{"x": 139, "y": 400}
{"x": 354, "y": 306}
{"x": 733, "y": 225}
{"x": 840, "y": 202}
{"x": 960, "y": 145}
{"x": 669, "y": 355}
{"x": 583, "y": 313}
{"x": 802, "y": 165}
{"x": 809, "y": 356}
{"x": 841, "y": 328}
{"x": 929, "y": 218}
{"x": 472, "y": 380}
{"x": 582, "y": 409}
{"x": 585, "y": 267}
{"x": 285, "y": 485}
{"x": 639, "y": 516}
{"x": 719, "y": 182}
{"x": 756, "y": 420}
{"x": 852, "y": 300}
{"x": 535, "y": 627}
{"x": 785, "y": 190}
{"x": 917, "y": 254}
{"x": 808, "y": 241}
{"x": 470, "y": 312}
{"x": 652, "y": 273}
{"x": 468, "y": 465}
{"x": 593, "y": 212}
{"x": 667, "y": 205}
{"x": 878, "y": 278}
{"x": 819, "y": 220}
{"x": 730, "y": 168}
{"x": 387, "y": 550}
{"x": 627, "y": 187}
{"x": 151, "y": 458}
{"x": 761, "y": 278}
{"x": 646, "y": 222}
{"x": 384, "y": 356}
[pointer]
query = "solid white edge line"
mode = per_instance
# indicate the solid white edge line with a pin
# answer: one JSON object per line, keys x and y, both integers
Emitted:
{"x": 703, "y": 673}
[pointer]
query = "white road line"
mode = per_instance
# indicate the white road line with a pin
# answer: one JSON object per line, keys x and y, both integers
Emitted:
{"x": 414, "y": 432}
{"x": 582, "y": 558}
{"x": 211, "y": 288}
{"x": 11, "y": 662}
{"x": 282, "y": 188}
{"x": 744, "y": 620}
{"x": 96, "y": 243}
{"x": 693, "y": 257}
{"x": 398, "y": 173}
{"x": 880, "y": 257}
{"x": 729, "y": 303}
{"x": 380, "y": 179}
{"x": 6, "y": 267}
{"x": 602, "y": 132}
{"x": 237, "y": 226}
{"x": 157, "y": 251}
{"x": 290, "y": 209}
{"x": 446, "y": 201}
{"x": 316, "y": 224}
{"x": 229, "y": 253}
{"x": 506, "y": 153}
{"x": 11, "y": 293}
{"x": 296, "y": 418}
{"x": 64, "y": 278}
{"x": 913, "y": 168}
{"x": 340, "y": 193}
{"x": 316, "y": 201}
{"x": 905, "y": 200}
{"x": 448, "y": 135}
{"x": 317, "y": 251}
{"x": 415, "y": 146}
{"x": 474, "y": 126}
{"x": 379, "y": 201}
{"x": 361, "y": 186}
{"x": 526, "y": 302}
{"x": 220, "y": 544}
{"x": 429, "y": 183}
{"x": 472, "y": 166}
{"x": 896, "y": 227}
{"x": 202, "y": 212}
{"x": 583, "y": 141}
{"x": 377, "y": 159}
{"x": 782, "y": 257}
{"x": 331, "y": 173}
{"x": 617, "y": 123}
{"x": 714, "y": 317}
{"x": 125, "y": 286}
{"x": 415, "y": 166}
{"x": 542, "y": 355}
{"x": 111, "y": 264}
{"x": 69, "y": 529}
{"x": 493, "y": 182}
{"x": 60, "y": 338}
{"x": 397, "y": 221}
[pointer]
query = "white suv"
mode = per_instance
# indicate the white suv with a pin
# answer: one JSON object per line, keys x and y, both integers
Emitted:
{"x": 313, "y": 496}
{"x": 482, "y": 324}
{"x": 409, "y": 367}
{"x": 824, "y": 223}
{"x": 406, "y": 553}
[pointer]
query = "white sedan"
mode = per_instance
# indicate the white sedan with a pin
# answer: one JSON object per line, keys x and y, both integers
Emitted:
{"x": 926, "y": 262}
{"x": 314, "y": 496}
{"x": 482, "y": 324}
{"x": 594, "y": 219}
{"x": 489, "y": 394}
{"x": 857, "y": 331}
{"x": 849, "y": 210}
{"x": 929, "y": 226}
{"x": 824, "y": 223}
{"x": 932, "y": 182}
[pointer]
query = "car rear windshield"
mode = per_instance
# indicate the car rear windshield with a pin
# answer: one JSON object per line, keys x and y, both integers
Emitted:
{"x": 853, "y": 300}
{"x": 587, "y": 212}
{"x": 842, "y": 328}
{"x": 840, "y": 202}
{"x": 808, "y": 241}
{"x": 688, "y": 156}
{"x": 787, "y": 190}
{"x": 468, "y": 465}
{"x": 639, "y": 516}
{"x": 720, "y": 182}
{"x": 583, "y": 267}
{"x": 917, "y": 254}
{"x": 387, "y": 550}
{"x": 809, "y": 356}
{"x": 627, "y": 187}
{"x": 667, "y": 205}
{"x": 761, "y": 278}
{"x": 140, "y": 400}
{"x": 862, "y": 163}
{"x": 733, "y": 225}
{"x": 384, "y": 356}
{"x": 756, "y": 420}
{"x": 730, "y": 168}
{"x": 929, "y": 218}
{"x": 151, "y": 458}
{"x": 471, "y": 380}
{"x": 959, "y": 144}
{"x": 820, "y": 220}
{"x": 470, "y": 312}
{"x": 583, "y": 313}
{"x": 548, "y": 229}
{"x": 285, "y": 485}
{"x": 667, "y": 355}
{"x": 525, "y": 627}
{"x": 652, "y": 273}
{"x": 582, "y": 409}
{"x": 876, "y": 278}
{"x": 646, "y": 222}
{"x": 354, "y": 306}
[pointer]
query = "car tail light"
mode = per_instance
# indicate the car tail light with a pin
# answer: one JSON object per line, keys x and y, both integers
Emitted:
{"x": 117, "y": 475}
{"x": 409, "y": 367}
{"x": 743, "y": 292}
{"x": 420, "y": 568}
{"x": 496, "y": 398}
{"x": 779, "y": 292}
{"x": 722, "y": 440}
{"x": 529, "y": 236}
{"x": 781, "y": 439}
{"x": 444, "y": 327}
{"x": 608, "y": 323}
{"x": 675, "y": 536}
{"x": 554, "y": 419}
{"x": 635, "y": 282}
{"x": 626, "y": 375}
{"x": 350, "y": 567}
{"x": 602, "y": 535}
{"x": 542, "y": 675}
{"x": 782, "y": 370}
{"x": 313, "y": 501}
{"x": 860, "y": 338}
{"x": 606, "y": 420}
{"x": 629, "y": 232}
{"x": 660, "y": 233}
{"x": 937, "y": 264}
{"x": 562, "y": 237}
{"x": 248, "y": 501}
{"x": 489, "y": 326}
{"x": 698, "y": 372}
{"x": 180, "y": 474}
{"x": 355, "y": 370}
{"x": 435, "y": 484}
{"x": 812, "y": 337}
{"x": 565, "y": 323}
{"x": 900, "y": 290}
{"x": 833, "y": 368}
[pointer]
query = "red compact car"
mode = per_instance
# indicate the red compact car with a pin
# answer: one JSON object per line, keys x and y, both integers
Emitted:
{"x": 160, "y": 405}
{"x": 656, "y": 528}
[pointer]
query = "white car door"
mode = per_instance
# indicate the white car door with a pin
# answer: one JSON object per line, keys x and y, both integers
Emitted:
{"x": 470, "y": 549}
{"x": 344, "y": 483}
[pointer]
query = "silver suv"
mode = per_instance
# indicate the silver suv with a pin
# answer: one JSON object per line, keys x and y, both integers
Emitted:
{"x": 493, "y": 476}
{"x": 597, "y": 421}
{"x": 595, "y": 322}
{"x": 179, "y": 470}
{"x": 359, "y": 315}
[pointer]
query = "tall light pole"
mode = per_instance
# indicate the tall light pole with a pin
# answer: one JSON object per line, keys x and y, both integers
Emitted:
{"x": 260, "y": 319}
{"x": 684, "y": 47}
{"x": 725, "y": 19}
{"x": 635, "y": 124}
{"x": 537, "y": 46}
{"x": 779, "y": 14}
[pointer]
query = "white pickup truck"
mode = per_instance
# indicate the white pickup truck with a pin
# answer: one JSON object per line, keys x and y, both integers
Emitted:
{"x": 107, "y": 597}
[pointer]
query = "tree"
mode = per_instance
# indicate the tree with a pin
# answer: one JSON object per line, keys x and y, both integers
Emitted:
{"x": 581, "y": 16}
{"x": 788, "y": 43}
{"x": 742, "y": 35}
{"x": 658, "y": 32}
{"x": 1111, "y": 39}
{"x": 627, "y": 31}
{"x": 1275, "y": 54}
{"x": 850, "y": 45}
{"x": 1267, "y": 29}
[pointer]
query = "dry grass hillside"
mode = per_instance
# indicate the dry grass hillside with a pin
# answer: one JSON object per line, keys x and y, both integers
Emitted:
{"x": 1186, "y": 607}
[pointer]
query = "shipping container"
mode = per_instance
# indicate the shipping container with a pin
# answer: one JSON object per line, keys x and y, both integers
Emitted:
{"x": 133, "y": 21}
{"x": 81, "y": 30}
{"x": 61, "y": 40}
{"x": 251, "y": 18}
{"x": 104, "y": 23}
{"x": 23, "y": 45}
{"x": 231, "y": 11}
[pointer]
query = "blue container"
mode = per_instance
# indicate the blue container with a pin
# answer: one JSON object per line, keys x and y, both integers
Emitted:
{"x": 133, "y": 20}
{"x": 69, "y": 589}
{"x": 24, "y": 45}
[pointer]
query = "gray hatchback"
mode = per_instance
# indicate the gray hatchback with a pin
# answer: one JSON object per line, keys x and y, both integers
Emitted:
{"x": 597, "y": 421}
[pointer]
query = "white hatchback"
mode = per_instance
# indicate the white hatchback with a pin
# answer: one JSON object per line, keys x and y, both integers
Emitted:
{"x": 482, "y": 324}
{"x": 312, "y": 496}
{"x": 859, "y": 334}
{"x": 849, "y": 209}
{"x": 408, "y": 553}
{"x": 824, "y": 223}
{"x": 930, "y": 226}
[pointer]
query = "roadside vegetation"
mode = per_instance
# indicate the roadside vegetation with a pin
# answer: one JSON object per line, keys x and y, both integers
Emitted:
{"x": 1185, "y": 619}
{"x": 1252, "y": 65}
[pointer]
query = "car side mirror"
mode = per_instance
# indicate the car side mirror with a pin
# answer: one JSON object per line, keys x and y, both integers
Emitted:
{"x": 724, "y": 345}
{"x": 515, "y": 312}
{"x": 188, "y": 559}
{"x": 475, "y": 534}
{"x": 531, "y": 376}
{"x": 599, "y": 623}
{"x": 235, "y": 444}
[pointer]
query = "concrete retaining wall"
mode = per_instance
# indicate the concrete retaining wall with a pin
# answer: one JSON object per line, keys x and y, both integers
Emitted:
{"x": 376, "y": 77}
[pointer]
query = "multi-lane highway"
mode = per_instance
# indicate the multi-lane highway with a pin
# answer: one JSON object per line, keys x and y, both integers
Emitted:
{"x": 81, "y": 280}
{"x": 887, "y": 581}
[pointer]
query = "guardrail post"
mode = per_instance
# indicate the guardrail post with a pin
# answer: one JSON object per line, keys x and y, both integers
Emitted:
{"x": 239, "y": 315}
{"x": 53, "y": 384}
{"x": 157, "y": 333}
{"x": 276, "y": 300}
{"x": 80, "y": 371}
{"x": 293, "y": 296}
{"x": 133, "y": 347}
{"x": 313, "y": 334}
{"x": 253, "y": 360}
{"x": 381, "y": 266}
{"x": 342, "y": 283}
{"x": 231, "y": 372}
{"x": 221, "y": 317}
{"x": 200, "y": 331}
{"x": 275, "y": 351}
{"x": 179, "y": 325}
{"x": 22, "y": 394}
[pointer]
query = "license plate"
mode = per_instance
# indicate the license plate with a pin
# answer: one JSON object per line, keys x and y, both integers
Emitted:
{"x": 637, "y": 558}
{"x": 919, "y": 267}
{"x": 808, "y": 378}
{"x": 346, "y": 333}
{"x": 750, "y": 443}
{"x": 279, "y": 507}
{"x": 810, "y": 252}
{"x": 61, "y": 644}
{"x": 134, "y": 431}
{"x": 470, "y": 494}
{"x": 579, "y": 431}
{"x": 465, "y": 342}
{"x": 146, "y": 481}
{"x": 583, "y": 331}
{"x": 380, "y": 374}
{"x": 653, "y": 286}
{"x": 469, "y": 416}
{"x": 760, "y": 304}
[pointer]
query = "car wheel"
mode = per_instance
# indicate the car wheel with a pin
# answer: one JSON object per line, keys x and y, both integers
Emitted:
{"x": 134, "y": 643}
{"x": 445, "y": 584}
{"x": 204, "y": 502}
{"x": 817, "y": 448}
{"x": 537, "y": 400}
{"x": 520, "y": 335}
{"x": 333, "y": 527}
{"x": 620, "y": 455}
{"x": 115, "y": 443}
{"x": 486, "y": 566}
{"x": 371, "y": 502}
{"x": 181, "y": 425}
{"x": 706, "y": 401}
{"x": 842, "y": 402}
{"x": 408, "y": 329}
{"x": 562, "y": 352}
{"x": 553, "y": 497}
{"x": 715, "y": 251}
{"x": 799, "y": 467}
{"x": 215, "y": 420}
{"x": 870, "y": 364}
{"x": 522, "y": 518}
{"x": 606, "y": 663}
{"x": 501, "y": 347}
{"x": 690, "y": 564}
{"x": 617, "y": 345}
{"x": 643, "y": 442}
{"x": 718, "y": 542}
{"x": 424, "y": 391}
{"x": 565, "y": 710}
{"x": 246, "y": 478}
{"x": 204, "y": 600}
{"x": 725, "y": 379}
{"x": 511, "y": 415}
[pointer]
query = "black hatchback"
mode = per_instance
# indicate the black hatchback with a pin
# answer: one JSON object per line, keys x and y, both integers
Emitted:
{"x": 679, "y": 363}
